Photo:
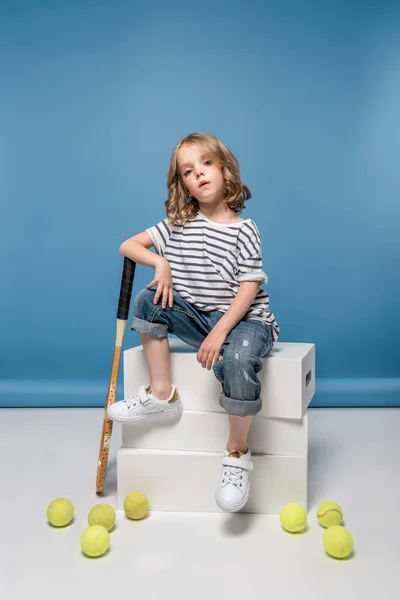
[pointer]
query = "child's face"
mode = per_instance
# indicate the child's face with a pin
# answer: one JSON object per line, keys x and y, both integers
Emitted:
{"x": 201, "y": 174}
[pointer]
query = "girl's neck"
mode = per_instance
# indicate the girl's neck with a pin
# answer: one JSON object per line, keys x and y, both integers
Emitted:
{"x": 224, "y": 219}
{"x": 223, "y": 215}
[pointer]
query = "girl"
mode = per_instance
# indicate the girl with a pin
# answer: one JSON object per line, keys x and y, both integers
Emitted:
{"x": 206, "y": 291}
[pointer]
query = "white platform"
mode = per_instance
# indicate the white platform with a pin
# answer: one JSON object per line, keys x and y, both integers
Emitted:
{"x": 209, "y": 432}
{"x": 287, "y": 378}
{"x": 186, "y": 481}
{"x": 178, "y": 463}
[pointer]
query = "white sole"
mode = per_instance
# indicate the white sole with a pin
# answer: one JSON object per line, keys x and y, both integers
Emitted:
{"x": 232, "y": 509}
{"x": 147, "y": 417}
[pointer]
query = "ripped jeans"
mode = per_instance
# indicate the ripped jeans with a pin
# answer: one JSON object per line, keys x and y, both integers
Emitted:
{"x": 245, "y": 345}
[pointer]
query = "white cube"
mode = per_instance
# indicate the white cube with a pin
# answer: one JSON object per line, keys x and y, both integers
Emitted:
{"x": 209, "y": 432}
{"x": 287, "y": 378}
{"x": 185, "y": 481}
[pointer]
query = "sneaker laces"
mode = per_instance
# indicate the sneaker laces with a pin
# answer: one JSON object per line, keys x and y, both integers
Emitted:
{"x": 233, "y": 475}
{"x": 139, "y": 398}
{"x": 132, "y": 401}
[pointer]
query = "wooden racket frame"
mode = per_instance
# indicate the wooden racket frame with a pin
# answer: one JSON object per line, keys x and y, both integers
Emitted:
{"x": 125, "y": 293}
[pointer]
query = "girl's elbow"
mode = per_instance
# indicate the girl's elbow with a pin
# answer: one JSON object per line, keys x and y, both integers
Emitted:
{"x": 122, "y": 249}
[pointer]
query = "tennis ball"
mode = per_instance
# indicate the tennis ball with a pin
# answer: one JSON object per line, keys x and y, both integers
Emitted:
{"x": 60, "y": 512}
{"x": 329, "y": 513}
{"x": 293, "y": 517}
{"x": 338, "y": 541}
{"x": 102, "y": 514}
{"x": 95, "y": 540}
{"x": 136, "y": 505}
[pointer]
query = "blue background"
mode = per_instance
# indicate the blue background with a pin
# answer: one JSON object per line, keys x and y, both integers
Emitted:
{"x": 93, "y": 98}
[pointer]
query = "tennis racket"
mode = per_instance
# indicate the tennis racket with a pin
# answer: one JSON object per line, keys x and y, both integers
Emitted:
{"x": 125, "y": 293}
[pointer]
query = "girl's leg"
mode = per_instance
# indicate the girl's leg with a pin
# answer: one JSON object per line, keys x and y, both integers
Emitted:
{"x": 237, "y": 370}
{"x": 238, "y": 431}
{"x": 154, "y": 323}
{"x": 246, "y": 345}
{"x": 244, "y": 348}
{"x": 157, "y": 355}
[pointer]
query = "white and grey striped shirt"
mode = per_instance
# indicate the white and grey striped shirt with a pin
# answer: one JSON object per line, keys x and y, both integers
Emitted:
{"x": 209, "y": 260}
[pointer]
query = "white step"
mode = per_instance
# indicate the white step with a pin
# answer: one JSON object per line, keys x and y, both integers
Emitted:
{"x": 209, "y": 432}
{"x": 287, "y": 378}
{"x": 185, "y": 481}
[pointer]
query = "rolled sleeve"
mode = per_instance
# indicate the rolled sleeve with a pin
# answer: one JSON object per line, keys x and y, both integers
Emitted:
{"x": 249, "y": 264}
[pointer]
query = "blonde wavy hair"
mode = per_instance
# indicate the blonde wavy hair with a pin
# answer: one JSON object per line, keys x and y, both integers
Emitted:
{"x": 180, "y": 207}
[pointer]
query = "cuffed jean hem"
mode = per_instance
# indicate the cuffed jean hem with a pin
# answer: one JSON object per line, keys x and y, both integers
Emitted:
{"x": 157, "y": 330}
{"x": 240, "y": 408}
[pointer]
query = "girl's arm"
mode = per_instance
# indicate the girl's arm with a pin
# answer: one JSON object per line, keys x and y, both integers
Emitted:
{"x": 239, "y": 307}
{"x": 136, "y": 248}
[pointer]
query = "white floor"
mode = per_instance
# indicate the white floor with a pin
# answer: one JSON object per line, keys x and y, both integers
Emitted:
{"x": 354, "y": 459}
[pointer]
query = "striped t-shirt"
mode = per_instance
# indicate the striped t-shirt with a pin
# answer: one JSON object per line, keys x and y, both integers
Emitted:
{"x": 208, "y": 261}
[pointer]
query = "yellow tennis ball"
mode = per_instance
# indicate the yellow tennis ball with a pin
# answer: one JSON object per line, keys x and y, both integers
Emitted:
{"x": 95, "y": 540}
{"x": 329, "y": 513}
{"x": 338, "y": 541}
{"x": 293, "y": 517}
{"x": 102, "y": 514}
{"x": 60, "y": 512}
{"x": 136, "y": 505}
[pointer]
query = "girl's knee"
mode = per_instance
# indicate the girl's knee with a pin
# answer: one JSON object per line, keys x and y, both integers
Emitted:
{"x": 143, "y": 300}
{"x": 238, "y": 376}
{"x": 241, "y": 359}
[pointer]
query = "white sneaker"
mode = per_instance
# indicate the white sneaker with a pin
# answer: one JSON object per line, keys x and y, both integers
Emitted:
{"x": 234, "y": 486}
{"x": 145, "y": 406}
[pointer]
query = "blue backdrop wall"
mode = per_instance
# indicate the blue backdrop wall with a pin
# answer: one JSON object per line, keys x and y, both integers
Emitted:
{"x": 93, "y": 98}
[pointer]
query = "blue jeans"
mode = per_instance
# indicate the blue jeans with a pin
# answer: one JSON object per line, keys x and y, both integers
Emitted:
{"x": 245, "y": 345}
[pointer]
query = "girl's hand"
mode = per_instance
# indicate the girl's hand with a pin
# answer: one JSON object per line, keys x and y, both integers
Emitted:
{"x": 163, "y": 280}
{"x": 210, "y": 348}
